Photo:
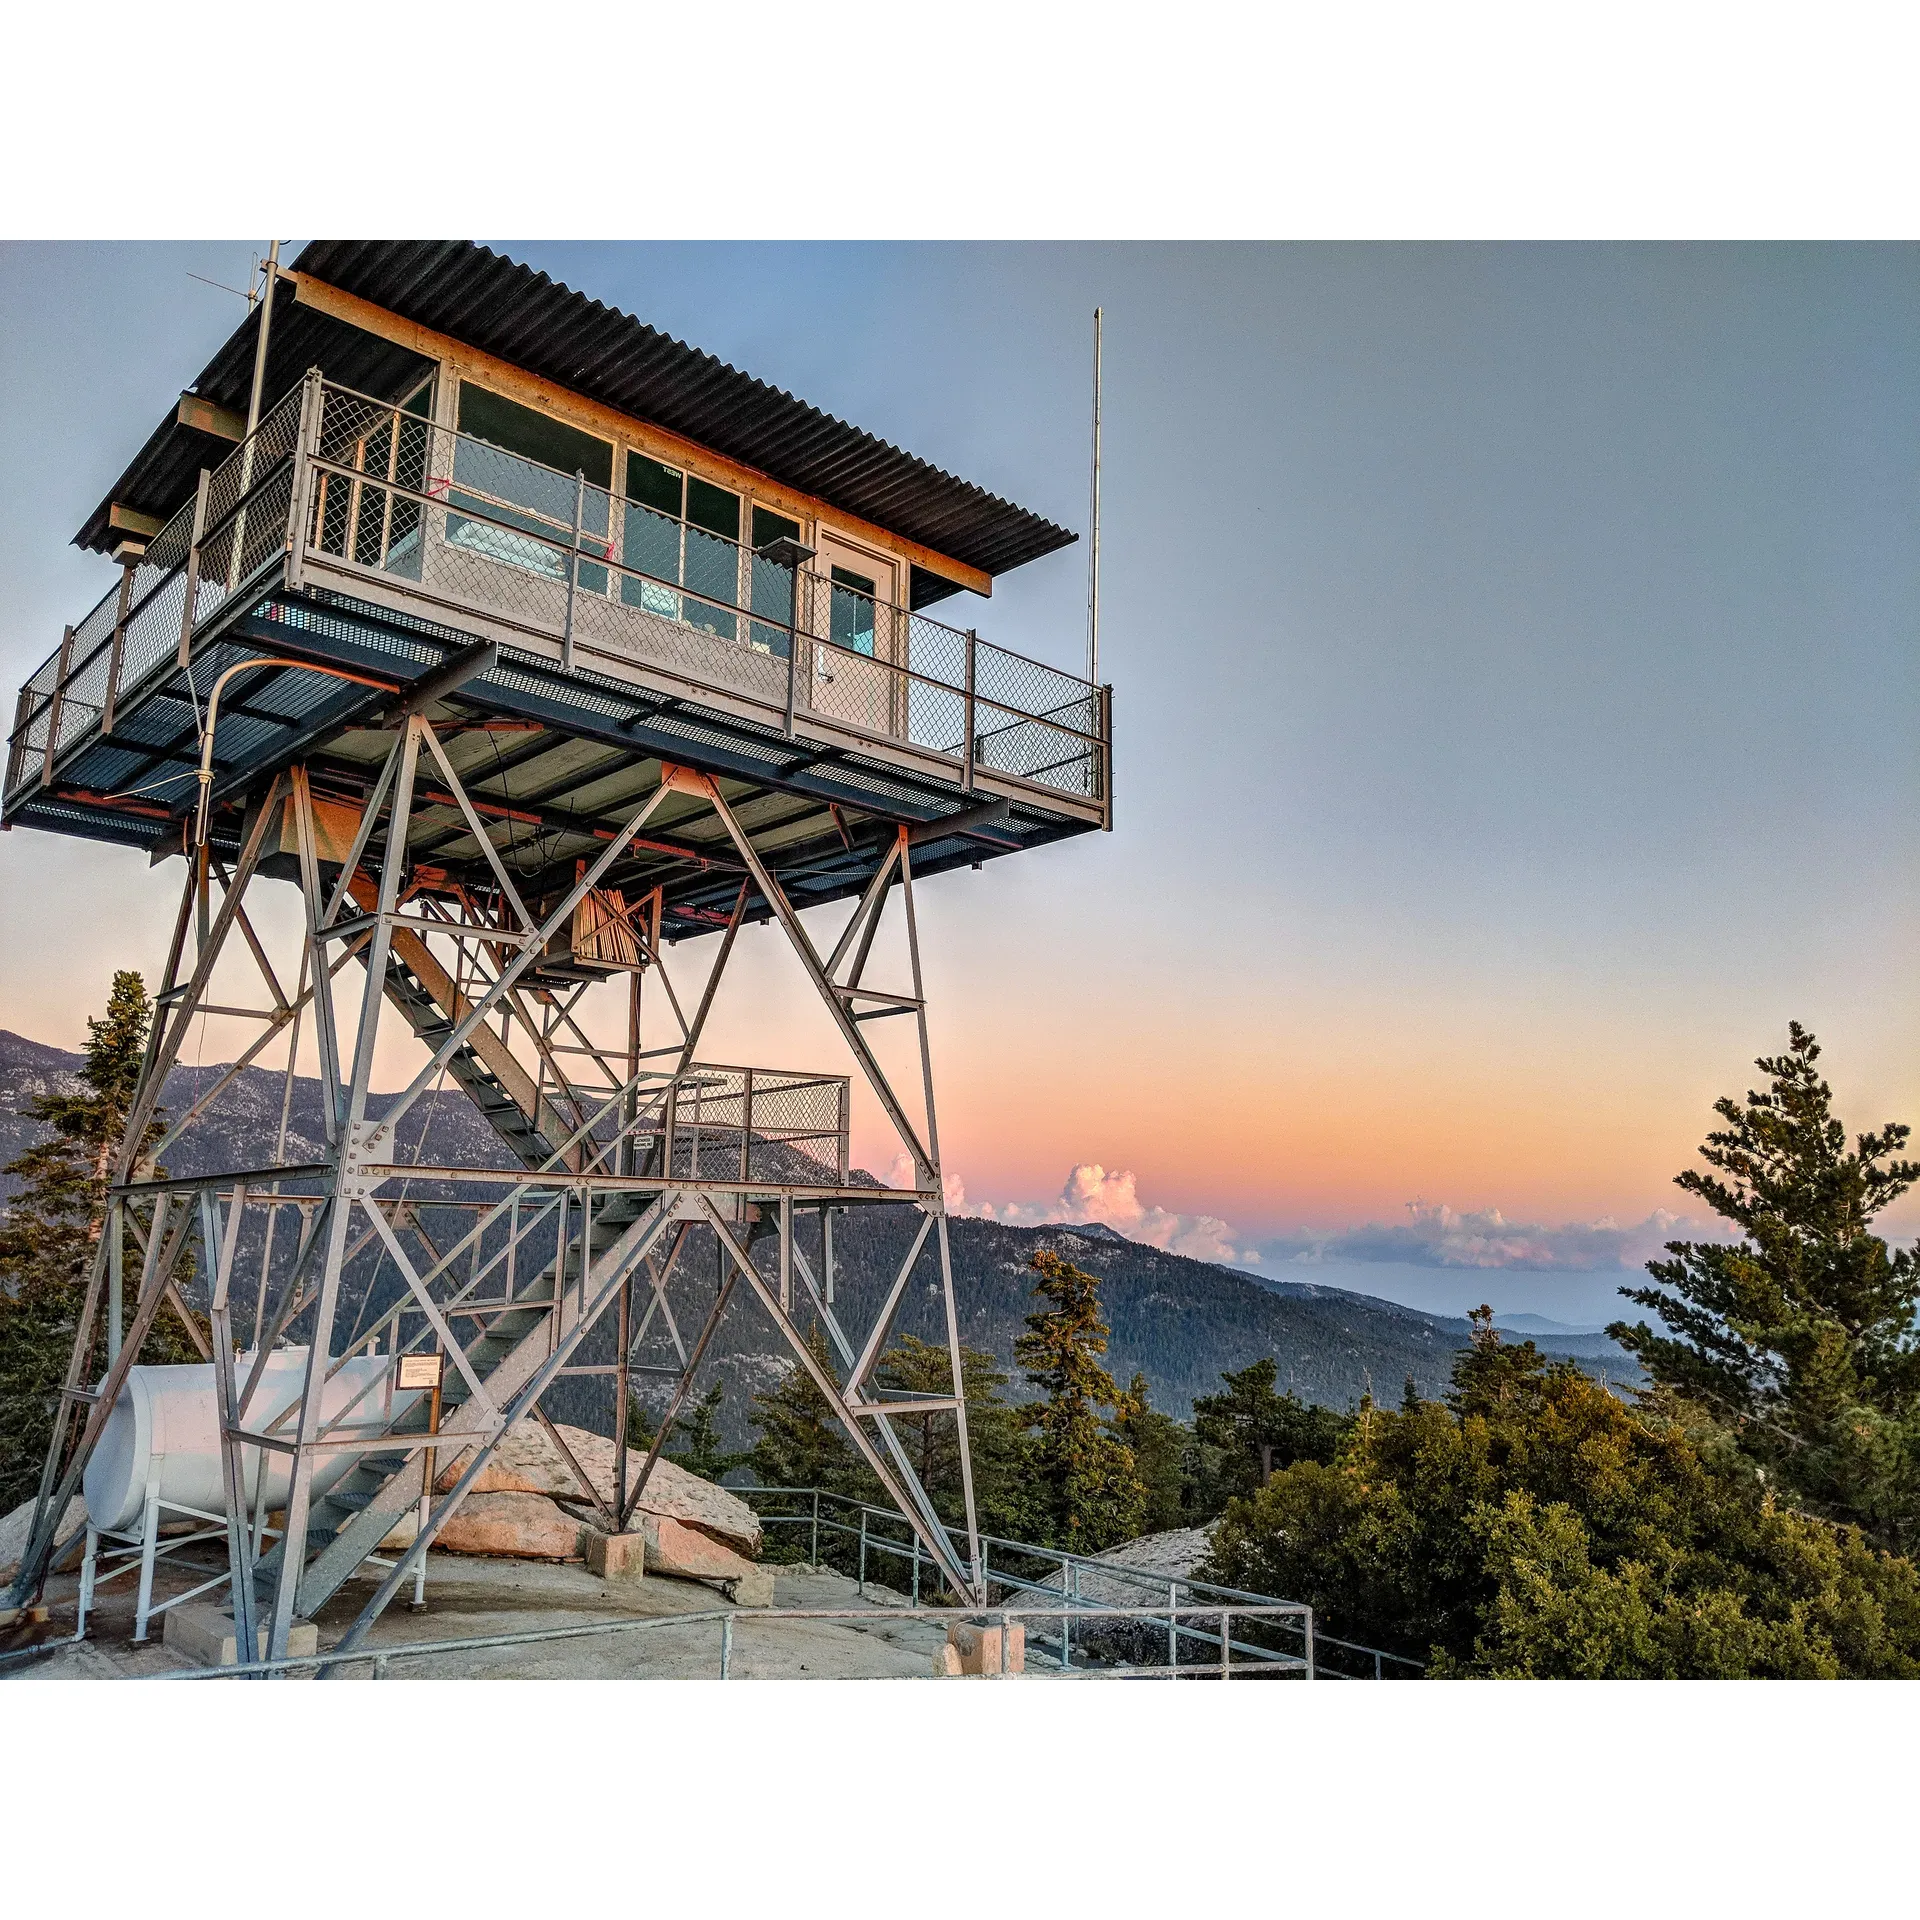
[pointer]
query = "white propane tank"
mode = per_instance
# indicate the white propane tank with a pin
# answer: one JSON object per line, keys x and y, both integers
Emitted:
{"x": 165, "y": 1427}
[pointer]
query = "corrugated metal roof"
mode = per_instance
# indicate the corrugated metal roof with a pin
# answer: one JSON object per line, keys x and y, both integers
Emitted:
{"x": 488, "y": 301}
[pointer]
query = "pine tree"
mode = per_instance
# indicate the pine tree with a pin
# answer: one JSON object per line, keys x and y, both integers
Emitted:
{"x": 52, "y": 1229}
{"x": 1163, "y": 1450}
{"x": 699, "y": 1430}
{"x": 1088, "y": 1491}
{"x": 1249, "y": 1432}
{"x": 800, "y": 1443}
{"x": 997, "y": 1441}
{"x": 1801, "y": 1334}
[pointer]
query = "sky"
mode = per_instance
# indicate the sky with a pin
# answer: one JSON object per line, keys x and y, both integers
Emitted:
{"x": 1514, "y": 685}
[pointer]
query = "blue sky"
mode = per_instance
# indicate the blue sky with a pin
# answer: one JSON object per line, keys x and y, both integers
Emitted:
{"x": 1515, "y": 682}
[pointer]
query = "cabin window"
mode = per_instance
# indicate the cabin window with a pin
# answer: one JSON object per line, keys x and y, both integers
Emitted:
{"x": 683, "y": 532}
{"x": 771, "y": 595}
{"x": 851, "y": 620}
{"x": 517, "y": 466}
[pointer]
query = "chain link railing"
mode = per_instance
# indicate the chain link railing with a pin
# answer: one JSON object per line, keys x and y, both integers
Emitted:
{"x": 236, "y": 523}
{"x": 455, "y": 520}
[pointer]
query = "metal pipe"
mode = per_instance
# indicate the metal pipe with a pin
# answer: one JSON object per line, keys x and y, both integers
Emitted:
{"x": 1093, "y": 543}
{"x": 205, "y": 774}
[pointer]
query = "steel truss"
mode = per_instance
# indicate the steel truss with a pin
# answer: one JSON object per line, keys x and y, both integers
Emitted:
{"x": 609, "y": 1187}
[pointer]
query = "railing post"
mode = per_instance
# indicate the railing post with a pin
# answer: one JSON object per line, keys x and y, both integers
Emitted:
{"x": 863, "y": 1550}
{"x": 193, "y": 566}
{"x": 1173, "y": 1629}
{"x": 1309, "y": 1627}
{"x": 1066, "y": 1619}
{"x": 1226, "y": 1644}
{"x": 793, "y": 645}
{"x": 306, "y": 446}
{"x": 56, "y": 701}
{"x": 966, "y": 718}
{"x": 573, "y": 563}
{"x": 813, "y": 1557}
{"x": 127, "y": 568}
{"x": 726, "y": 1648}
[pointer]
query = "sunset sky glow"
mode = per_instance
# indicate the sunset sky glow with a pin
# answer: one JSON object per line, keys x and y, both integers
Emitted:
{"x": 1515, "y": 703}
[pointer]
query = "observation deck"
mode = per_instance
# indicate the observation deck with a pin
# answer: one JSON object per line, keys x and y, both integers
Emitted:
{"x": 572, "y": 636}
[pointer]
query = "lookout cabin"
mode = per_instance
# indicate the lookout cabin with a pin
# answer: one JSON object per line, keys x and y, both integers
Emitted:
{"x": 601, "y": 551}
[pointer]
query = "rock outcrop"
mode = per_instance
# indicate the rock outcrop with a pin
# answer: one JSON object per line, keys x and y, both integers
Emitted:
{"x": 15, "y": 1527}
{"x": 520, "y": 1526}
{"x": 527, "y": 1462}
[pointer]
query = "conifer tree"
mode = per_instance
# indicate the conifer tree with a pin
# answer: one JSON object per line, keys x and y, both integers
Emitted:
{"x": 1087, "y": 1488}
{"x": 800, "y": 1443}
{"x": 1800, "y": 1335}
{"x": 997, "y": 1442}
{"x": 52, "y": 1229}
{"x": 1162, "y": 1457}
{"x": 1249, "y": 1432}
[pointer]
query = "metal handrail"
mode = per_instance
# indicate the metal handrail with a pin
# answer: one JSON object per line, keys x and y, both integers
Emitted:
{"x": 729, "y": 1619}
{"x": 561, "y": 542}
{"x": 594, "y": 558}
{"x": 1064, "y": 1558}
{"x": 67, "y": 667}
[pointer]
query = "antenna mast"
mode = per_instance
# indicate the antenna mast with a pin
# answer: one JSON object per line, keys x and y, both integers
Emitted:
{"x": 1093, "y": 545}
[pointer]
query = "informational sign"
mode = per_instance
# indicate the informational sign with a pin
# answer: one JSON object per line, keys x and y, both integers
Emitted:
{"x": 420, "y": 1372}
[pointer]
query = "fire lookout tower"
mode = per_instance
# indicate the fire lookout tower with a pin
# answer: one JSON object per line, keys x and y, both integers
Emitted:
{"x": 537, "y": 651}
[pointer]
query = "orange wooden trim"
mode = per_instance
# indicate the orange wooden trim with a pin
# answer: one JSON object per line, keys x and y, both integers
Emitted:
{"x": 593, "y": 416}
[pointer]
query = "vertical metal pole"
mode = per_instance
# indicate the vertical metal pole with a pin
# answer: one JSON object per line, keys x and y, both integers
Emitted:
{"x": 260, "y": 343}
{"x": 1093, "y": 542}
{"x": 573, "y": 563}
{"x": 116, "y": 1277}
{"x": 1068, "y": 1596}
{"x": 726, "y": 1648}
{"x": 127, "y": 568}
{"x": 863, "y": 1550}
{"x": 1226, "y": 1644}
{"x": 221, "y": 1250}
{"x": 1311, "y": 1671}
{"x": 623, "y": 1387}
{"x": 339, "y": 1215}
{"x": 300, "y": 513}
{"x": 54, "y": 707}
{"x": 238, "y": 542}
{"x": 967, "y": 718}
{"x": 813, "y": 1556}
{"x": 793, "y": 644}
{"x": 149, "y": 1541}
{"x": 826, "y": 1246}
{"x": 193, "y": 566}
{"x": 786, "y": 1251}
{"x": 1173, "y": 1629}
{"x": 88, "y": 1564}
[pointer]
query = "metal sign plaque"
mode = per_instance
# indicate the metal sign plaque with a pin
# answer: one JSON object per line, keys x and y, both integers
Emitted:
{"x": 419, "y": 1371}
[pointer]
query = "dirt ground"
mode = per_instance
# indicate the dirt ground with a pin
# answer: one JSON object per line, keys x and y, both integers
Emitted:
{"x": 469, "y": 1597}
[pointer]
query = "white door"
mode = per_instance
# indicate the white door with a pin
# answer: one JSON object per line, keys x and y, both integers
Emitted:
{"x": 856, "y": 613}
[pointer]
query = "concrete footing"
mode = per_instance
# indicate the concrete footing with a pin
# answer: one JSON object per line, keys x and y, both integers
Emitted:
{"x": 204, "y": 1633}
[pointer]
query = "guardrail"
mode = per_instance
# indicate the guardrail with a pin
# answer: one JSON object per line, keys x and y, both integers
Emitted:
{"x": 825, "y": 1514}
{"x": 347, "y": 491}
{"x": 381, "y": 1660}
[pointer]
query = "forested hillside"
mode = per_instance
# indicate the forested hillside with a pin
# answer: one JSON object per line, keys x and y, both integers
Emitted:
{"x": 1180, "y": 1322}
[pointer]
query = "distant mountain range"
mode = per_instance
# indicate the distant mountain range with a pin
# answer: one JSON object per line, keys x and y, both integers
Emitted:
{"x": 1178, "y": 1321}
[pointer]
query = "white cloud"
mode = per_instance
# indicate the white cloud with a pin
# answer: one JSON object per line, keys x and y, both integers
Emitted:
{"x": 1436, "y": 1235}
{"x": 900, "y": 1174}
{"x": 1093, "y": 1196}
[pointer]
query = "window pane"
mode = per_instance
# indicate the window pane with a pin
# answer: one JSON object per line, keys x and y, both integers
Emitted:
{"x": 534, "y": 436}
{"x": 773, "y": 526}
{"x": 653, "y": 485}
{"x": 713, "y": 508}
{"x": 851, "y": 618}
{"x": 712, "y": 568}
